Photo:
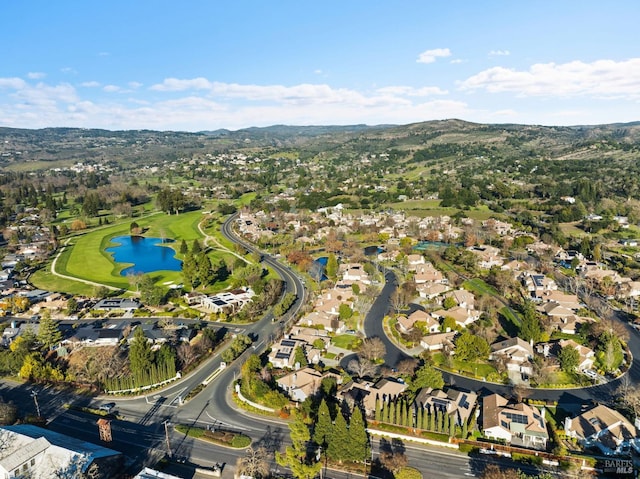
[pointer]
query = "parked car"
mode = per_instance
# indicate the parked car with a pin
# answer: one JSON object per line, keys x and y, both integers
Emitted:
{"x": 108, "y": 407}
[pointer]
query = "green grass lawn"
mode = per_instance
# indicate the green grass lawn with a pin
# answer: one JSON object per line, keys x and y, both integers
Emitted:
{"x": 479, "y": 369}
{"x": 510, "y": 315}
{"x": 477, "y": 285}
{"x": 346, "y": 341}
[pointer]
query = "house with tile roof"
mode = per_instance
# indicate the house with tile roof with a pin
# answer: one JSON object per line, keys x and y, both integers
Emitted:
{"x": 518, "y": 424}
{"x": 450, "y": 401}
{"x": 604, "y": 428}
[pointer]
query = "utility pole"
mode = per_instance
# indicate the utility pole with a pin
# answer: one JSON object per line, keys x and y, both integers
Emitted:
{"x": 34, "y": 395}
{"x": 166, "y": 435}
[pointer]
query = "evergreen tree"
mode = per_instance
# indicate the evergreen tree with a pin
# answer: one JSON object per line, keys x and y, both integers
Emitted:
{"x": 378, "y": 412}
{"x": 445, "y": 423}
{"x": 432, "y": 420}
{"x": 206, "y": 275}
{"x": 530, "y": 327}
{"x": 323, "y": 426}
{"x": 465, "y": 430}
{"x": 196, "y": 248}
{"x": 190, "y": 271}
{"x": 398, "y": 412}
{"x": 184, "y": 249}
{"x": 385, "y": 411}
{"x": 49, "y": 334}
{"x": 358, "y": 438}
{"x": 338, "y": 443}
{"x": 296, "y": 457}
{"x": 419, "y": 417}
{"x": 140, "y": 353}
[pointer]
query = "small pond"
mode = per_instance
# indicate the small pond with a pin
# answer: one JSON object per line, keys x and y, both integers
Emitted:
{"x": 146, "y": 254}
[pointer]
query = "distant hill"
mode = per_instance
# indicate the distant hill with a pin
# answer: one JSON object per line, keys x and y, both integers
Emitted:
{"x": 59, "y": 146}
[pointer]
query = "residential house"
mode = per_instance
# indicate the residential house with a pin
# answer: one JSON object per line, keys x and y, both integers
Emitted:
{"x": 431, "y": 290}
{"x": 461, "y": 315}
{"x": 31, "y": 451}
{"x": 111, "y": 304}
{"x": 329, "y": 322}
{"x": 459, "y": 404}
{"x": 462, "y": 297}
{"x": 413, "y": 260}
{"x": 518, "y": 424}
{"x": 228, "y": 301}
{"x": 365, "y": 393}
{"x": 431, "y": 324}
{"x": 488, "y": 256}
{"x": 354, "y": 272}
{"x": 516, "y": 352}
{"x": 301, "y": 384}
{"x": 439, "y": 341}
{"x": 282, "y": 353}
{"x": 537, "y": 284}
{"x": 602, "y": 427}
{"x": 95, "y": 337}
{"x": 405, "y": 323}
{"x": 426, "y": 273}
{"x": 587, "y": 355}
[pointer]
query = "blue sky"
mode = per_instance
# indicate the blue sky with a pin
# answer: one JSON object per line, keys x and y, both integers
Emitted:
{"x": 203, "y": 65}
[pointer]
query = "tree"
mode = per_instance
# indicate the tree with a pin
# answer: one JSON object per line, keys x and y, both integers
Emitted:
{"x": 449, "y": 302}
{"x": 323, "y": 425}
{"x": 338, "y": 442}
{"x": 345, "y": 312}
{"x": 255, "y": 463}
{"x": 49, "y": 333}
{"x": 427, "y": 377}
{"x": 470, "y": 347}
{"x": 184, "y": 249}
{"x": 150, "y": 293}
{"x": 331, "y": 269}
{"x": 140, "y": 353}
{"x": 296, "y": 457}
{"x": 358, "y": 437}
{"x": 531, "y": 327}
{"x": 362, "y": 367}
{"x": 72, "y": 306}
{"x": 569, "y": 358}
{"x": 372, "y": 348}
{"x": 300, "y": 357}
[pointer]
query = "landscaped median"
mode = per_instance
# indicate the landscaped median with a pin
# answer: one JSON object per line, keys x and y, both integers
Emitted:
{"x": 235, "y": 440}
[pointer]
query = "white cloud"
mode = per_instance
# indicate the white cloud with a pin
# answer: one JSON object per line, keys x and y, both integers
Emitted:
{"x": 90, "y": 84}
{"x": 601, "y": 79}
{"x": 111, "y": 88}
{"x": 69, "y": 70}
{"x": 430, "y": 56}
{"x": 175, "y": 84}
{"x": 134, "y": 84}
{"x": 499, "y": 53}
{"x": 12, "y": 83}
{"x": 457, "y": 60}
{"x": 410, "y": 91}
{"x": 36, "y": 75}
{"x": 104, "y": 54}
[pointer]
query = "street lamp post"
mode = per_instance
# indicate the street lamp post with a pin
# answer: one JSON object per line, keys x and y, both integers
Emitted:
{"x": 34, "y": 395}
